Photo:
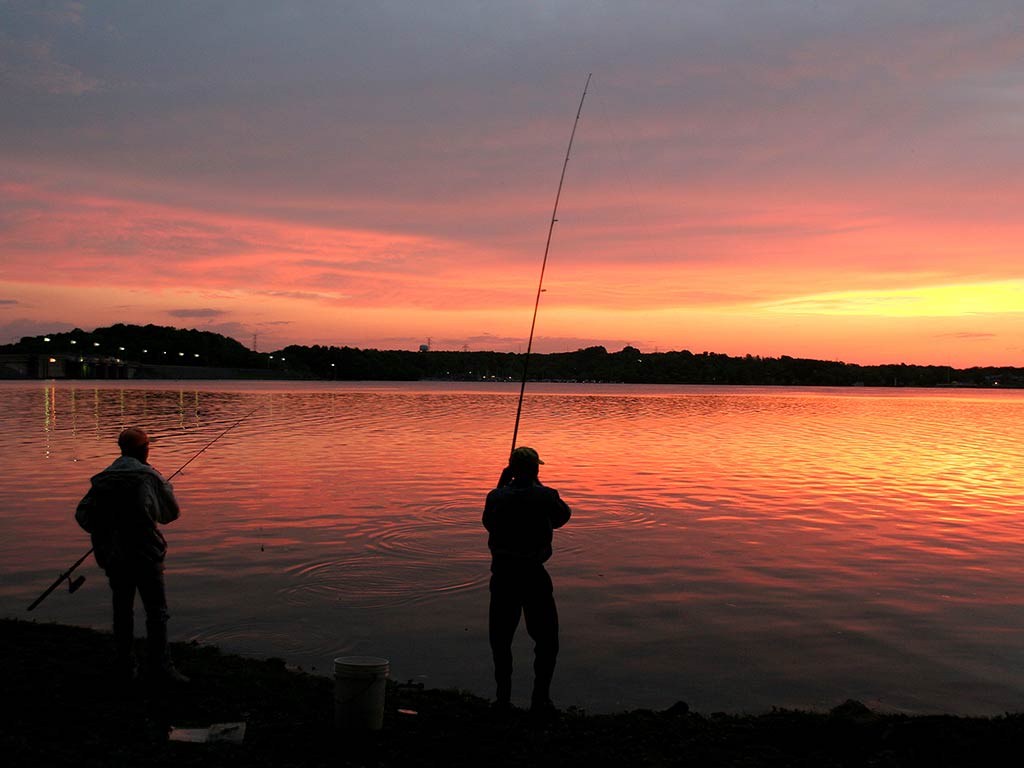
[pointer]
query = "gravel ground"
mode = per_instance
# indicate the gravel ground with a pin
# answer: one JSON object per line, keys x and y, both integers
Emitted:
{"x": 65, "y": 710}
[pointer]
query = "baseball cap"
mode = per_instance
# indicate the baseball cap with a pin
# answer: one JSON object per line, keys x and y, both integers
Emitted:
{"x": 524, "y": 455}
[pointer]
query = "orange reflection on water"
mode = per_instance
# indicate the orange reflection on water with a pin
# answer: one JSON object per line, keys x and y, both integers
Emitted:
{"x": 751, "y": 545}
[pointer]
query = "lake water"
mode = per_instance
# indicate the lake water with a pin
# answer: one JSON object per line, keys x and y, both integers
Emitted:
{"x": 736, "y": 548}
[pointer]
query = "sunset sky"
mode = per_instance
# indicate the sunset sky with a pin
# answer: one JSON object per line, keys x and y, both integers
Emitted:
{"x": 837, "y": 179}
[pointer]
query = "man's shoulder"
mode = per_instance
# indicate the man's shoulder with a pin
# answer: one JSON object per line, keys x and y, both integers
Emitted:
{"x": 547, "y": 490}
{"x": 504, "y": 492}
{"x": 128, "y": 469}
{"x": 522, "y": 492}
{"x": 127, "y": 464}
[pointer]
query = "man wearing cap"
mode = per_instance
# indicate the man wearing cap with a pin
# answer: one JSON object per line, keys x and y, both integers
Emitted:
{"x": 520, "y": 516}
{"x": 121, "y": 511}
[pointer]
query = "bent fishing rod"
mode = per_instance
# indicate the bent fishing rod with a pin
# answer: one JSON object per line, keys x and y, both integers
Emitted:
{"x": 544, "y": 263}
{"x": 73, "y": 585}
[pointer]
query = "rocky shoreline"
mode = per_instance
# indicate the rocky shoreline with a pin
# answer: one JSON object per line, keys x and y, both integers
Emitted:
{"x": 64, "y": 710}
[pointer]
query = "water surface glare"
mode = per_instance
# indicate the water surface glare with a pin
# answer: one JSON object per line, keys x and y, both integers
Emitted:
{"x": 736, "y": 548}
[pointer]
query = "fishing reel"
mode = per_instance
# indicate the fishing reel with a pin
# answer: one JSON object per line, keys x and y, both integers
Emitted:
{"x": 75, "y": 584}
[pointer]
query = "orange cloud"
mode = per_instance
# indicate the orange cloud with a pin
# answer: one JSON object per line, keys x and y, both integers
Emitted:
{"x": 764, "y": 278}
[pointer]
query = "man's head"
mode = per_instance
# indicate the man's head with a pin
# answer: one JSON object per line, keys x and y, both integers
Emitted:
{"x": 525, "y": 462}
{"x": 134, "y": 442}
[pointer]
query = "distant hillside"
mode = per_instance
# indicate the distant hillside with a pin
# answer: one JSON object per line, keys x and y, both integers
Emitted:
{"x": 632, "y": 366}
{"x": 144, "y": 344}
{"x": 152, "y": 346}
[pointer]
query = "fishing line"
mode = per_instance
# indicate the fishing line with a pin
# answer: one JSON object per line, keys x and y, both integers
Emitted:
{"x": 74, "y": 585}
{"x": 218, "y": 437}
{"x": 544, "y": 263}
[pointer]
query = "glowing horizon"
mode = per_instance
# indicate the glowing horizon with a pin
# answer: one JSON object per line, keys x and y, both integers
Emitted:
{"x": 745, "y": 179}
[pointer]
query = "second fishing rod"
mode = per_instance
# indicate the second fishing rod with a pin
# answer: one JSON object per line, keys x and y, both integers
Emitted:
{"x": 544, "y": 264}
{"x": 73, "y": 585}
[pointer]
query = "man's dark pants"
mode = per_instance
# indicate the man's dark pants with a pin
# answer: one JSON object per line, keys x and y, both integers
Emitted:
{"x": 523, "y": 590}
{"x": 148, "y": 580}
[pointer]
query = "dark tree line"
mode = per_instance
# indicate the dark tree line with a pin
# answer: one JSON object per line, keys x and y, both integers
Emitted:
{"x": 144, "y": 344}
{"x": 632, "y": 366}
{"x": 155, "y": 345}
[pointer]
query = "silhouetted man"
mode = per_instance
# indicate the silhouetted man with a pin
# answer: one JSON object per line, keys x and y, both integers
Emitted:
{"x": 520, "y": 515}
{"x": 121, "y": 511}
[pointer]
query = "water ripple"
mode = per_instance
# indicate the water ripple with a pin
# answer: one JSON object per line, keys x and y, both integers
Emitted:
{"x": 744, "y": 539}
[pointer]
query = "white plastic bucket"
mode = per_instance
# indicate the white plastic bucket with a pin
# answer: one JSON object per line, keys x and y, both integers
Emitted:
{"x": 359, "y": 685}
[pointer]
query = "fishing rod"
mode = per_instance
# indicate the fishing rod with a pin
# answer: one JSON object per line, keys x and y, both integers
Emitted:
{"x": 202, "y": 450}
{"x": 76, "y": 583}
{"x": 544, "y": 263}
